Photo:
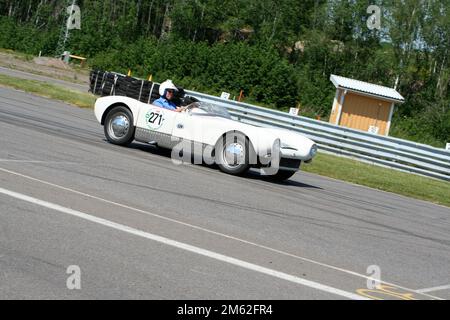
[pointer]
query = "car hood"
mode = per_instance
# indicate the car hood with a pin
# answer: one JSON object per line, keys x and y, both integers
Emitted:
{"x": 293, "y": 144}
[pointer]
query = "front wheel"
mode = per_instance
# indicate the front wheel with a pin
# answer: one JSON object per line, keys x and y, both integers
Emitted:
{"x": 119, "y": 128}
{"x": 232, "y": 154}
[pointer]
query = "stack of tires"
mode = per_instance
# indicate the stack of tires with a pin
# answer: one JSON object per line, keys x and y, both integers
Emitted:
{"x": 104, "y": 83}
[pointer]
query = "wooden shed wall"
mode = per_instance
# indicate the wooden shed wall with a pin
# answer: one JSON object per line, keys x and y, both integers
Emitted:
{"x": 361, "y": 112}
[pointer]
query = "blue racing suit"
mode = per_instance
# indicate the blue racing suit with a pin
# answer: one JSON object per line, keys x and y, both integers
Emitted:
{"x": 164, "y": 103}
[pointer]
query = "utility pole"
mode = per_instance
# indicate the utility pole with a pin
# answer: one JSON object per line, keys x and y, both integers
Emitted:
{"x": 167, "y": 24}
{"x": 70, "y": 10}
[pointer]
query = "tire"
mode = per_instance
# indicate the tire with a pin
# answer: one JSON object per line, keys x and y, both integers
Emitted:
{"x": 282, "y": 175}
{"x": 118, "y": 127}
{"x": 232, "y": 153}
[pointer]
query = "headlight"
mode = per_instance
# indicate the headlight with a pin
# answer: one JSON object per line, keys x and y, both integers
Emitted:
{"x": 313, "y": 151}
{"x": 286, "y": 146}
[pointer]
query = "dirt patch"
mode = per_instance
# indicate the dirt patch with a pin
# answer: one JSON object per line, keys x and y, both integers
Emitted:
{"x": 51, "y": 62}
{"x": 45, "y": 66}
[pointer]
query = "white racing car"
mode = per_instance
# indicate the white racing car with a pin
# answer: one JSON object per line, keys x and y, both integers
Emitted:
{"x": 205, "y": 132}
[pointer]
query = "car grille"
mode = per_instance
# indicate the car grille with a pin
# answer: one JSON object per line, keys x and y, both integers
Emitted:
{"x": 290, "y": 163}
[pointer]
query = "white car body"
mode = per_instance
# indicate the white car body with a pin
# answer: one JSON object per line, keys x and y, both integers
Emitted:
{"x": 166, "y": 128}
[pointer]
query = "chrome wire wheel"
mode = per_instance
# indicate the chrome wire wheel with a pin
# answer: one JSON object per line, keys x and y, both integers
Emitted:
{"x": 119, "y": 126}
{"x": 233, "y": 155}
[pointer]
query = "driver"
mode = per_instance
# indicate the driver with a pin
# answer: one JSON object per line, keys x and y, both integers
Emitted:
{"x": 167, "y": 92}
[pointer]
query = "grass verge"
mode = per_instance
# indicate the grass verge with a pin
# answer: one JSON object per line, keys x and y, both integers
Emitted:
{"x": 17, "y": 55}
{"x": 380, "y": 178}
{"x": 324, "y": 164}
{"x": 73, "y": 79}
{"x": 83, "y": 100}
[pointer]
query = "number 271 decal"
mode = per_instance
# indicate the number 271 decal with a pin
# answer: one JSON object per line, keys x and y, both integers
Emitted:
{"x": 155, "y": 119}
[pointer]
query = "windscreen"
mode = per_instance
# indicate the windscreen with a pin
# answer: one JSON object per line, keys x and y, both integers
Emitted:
{"x": 214, "y": 110}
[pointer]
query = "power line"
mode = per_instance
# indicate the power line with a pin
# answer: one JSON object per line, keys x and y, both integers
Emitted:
{"x": 64, "y": 33}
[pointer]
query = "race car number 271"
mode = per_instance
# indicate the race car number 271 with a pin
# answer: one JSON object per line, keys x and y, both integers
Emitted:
{"x": 155, "y": 119}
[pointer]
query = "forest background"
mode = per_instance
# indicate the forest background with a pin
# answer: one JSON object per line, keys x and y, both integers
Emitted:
{"x": 280, "y": 53}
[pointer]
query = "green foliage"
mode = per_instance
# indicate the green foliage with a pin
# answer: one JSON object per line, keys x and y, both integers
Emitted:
{"x": 280, "y": 53}
{"x": 26, "y": 38}
{"x": 233, "y": 67}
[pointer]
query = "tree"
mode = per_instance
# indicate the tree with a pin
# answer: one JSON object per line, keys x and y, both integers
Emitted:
{"x": 279, "y": 52}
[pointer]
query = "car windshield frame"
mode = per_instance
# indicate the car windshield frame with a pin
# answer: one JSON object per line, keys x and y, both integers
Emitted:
{"x": 212, "y": 110}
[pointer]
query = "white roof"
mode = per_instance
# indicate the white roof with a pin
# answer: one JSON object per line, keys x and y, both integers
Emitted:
{"x": 367, "y": 88}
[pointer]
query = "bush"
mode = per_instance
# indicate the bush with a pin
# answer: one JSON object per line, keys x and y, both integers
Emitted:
{"x": 258, "y": 71}
{"x": 26, "y": 38}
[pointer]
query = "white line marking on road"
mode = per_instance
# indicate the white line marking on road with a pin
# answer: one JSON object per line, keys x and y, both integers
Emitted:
{"x": 214, "y": 232}
{"x": 184, "y": 246}
{"x": 433, "y": 289}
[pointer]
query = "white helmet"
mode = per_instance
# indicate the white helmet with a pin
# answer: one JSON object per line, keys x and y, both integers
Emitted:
{"x": 168, "y": 84}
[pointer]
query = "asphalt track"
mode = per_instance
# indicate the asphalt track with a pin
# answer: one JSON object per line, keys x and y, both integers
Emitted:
{"x": 140, "y": 227}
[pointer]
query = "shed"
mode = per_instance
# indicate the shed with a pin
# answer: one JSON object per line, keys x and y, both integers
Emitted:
{"x": 363, "y": 106}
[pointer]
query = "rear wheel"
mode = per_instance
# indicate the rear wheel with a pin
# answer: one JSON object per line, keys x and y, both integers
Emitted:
{"x": 232, "y": 153}
{"x": 119, "y": 128}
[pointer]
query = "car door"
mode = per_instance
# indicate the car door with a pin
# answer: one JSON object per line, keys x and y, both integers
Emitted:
{"x": 189, "y": 130}
{"x": 188, "y": 127}
{"x": 155, "y": 125}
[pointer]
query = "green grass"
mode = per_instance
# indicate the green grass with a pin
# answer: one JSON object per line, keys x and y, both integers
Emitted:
{"x": 385, "y": 179}
{"x": 324, "y": 164}
{"x": 83, "y": 100}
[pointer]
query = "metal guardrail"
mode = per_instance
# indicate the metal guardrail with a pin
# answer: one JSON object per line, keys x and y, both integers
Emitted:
{"x": 385, "y": 151}
{"x": 380, "y": 150}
